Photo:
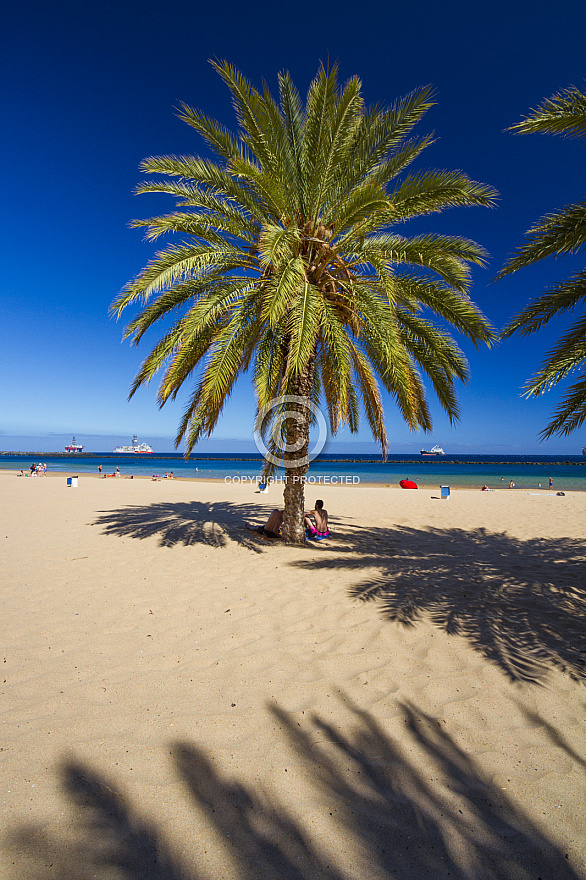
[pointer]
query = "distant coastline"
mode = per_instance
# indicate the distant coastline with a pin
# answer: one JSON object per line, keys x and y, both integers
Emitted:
{"x": 395, "y": 458}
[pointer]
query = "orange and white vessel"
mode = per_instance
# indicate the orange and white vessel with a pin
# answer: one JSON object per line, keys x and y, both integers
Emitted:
{"x": 73, "y": 447}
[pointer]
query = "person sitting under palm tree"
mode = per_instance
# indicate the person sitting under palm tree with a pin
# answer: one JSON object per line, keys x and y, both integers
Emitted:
{"x": 319, "y": 527}
{"x": 272, "y": 527}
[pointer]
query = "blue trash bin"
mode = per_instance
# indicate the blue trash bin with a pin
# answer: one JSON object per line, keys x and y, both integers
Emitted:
{"x": 444, "y": 492}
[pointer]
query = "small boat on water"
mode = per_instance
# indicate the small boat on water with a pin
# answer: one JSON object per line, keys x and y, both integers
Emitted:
{"x": 435, "y": 450}
{"x": 73, "y": 447}
{"x": 136, "y": 447}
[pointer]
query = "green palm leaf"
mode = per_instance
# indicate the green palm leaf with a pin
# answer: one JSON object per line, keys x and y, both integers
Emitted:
{"x": 563, "y": 113}
{"x": 558, "y": 233}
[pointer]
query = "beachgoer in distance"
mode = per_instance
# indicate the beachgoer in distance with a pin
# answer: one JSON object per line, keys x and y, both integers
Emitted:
{"x": 485, "y": 488}
{"x": 511, "y": 485}
{"x": 117, "y": 471}
{"x": 550, "y": 483}
{"x": 319, "y": 526}
{"x": 99, "y": 468}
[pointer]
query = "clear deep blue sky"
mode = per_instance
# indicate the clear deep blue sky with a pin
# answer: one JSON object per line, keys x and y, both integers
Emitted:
{"x": 89, "y": 89}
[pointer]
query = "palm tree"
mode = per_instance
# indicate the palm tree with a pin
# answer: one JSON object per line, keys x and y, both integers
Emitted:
{"x": 561, "y": 232}
{"x": 289, "y": 267}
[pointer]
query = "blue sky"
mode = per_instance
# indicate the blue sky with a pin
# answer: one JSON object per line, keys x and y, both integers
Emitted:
{"x": 90, "y": 89}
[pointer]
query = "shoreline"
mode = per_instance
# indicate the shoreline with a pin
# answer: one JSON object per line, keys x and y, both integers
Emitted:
{"x": 425, "y": 487}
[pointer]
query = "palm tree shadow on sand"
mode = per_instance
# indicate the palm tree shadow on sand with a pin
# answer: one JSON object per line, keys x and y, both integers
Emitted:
{"x": 405, "y": 818}
{"x": 187, "y": 523}
{"x": 521, "y": 603}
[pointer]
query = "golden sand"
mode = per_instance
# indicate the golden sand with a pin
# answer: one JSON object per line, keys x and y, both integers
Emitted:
{"x": 181, "y": 699}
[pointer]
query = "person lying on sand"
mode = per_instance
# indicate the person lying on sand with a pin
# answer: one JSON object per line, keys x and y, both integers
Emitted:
{"x": 319, "y": 527}
{"x": 272, "y": 527}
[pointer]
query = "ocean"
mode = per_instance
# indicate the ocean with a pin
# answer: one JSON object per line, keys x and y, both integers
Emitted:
{"x": 530, "y": 472}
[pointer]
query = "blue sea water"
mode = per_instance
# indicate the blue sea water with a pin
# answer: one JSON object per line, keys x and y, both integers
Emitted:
{"x": 466, "y": 471}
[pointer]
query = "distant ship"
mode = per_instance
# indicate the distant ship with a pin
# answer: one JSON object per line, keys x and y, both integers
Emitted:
{"x": 435, "y": 450}
{"x": 584, "y": 450}
{"x": 73, "y": 447}
{"x": 136, "y": 447}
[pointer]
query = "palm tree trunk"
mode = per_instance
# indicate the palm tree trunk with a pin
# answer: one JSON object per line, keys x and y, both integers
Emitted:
{"x": 296, "y": 465}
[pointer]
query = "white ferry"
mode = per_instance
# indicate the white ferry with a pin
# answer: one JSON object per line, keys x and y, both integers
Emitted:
{"x": 73, "y": 447}
{"x": 435, "y": 450}
{"x": 136, "y": 447}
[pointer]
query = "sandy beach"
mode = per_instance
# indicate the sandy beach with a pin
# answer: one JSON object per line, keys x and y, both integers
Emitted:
{"x": 182, "y": 699}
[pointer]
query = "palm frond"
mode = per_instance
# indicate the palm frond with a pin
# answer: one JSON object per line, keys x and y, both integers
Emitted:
{"x": 280, "y": 292}
{"x": 568, "y": 355}
{"x": 564, "y": 113}
{"x": 381, "y": 134}
{"x": 207, "y": 174}
{"x": 177, "y": 263}
{"x": 338, "y": 140}
{"x": 249, "y": 111}
{"x": 561, "y": 232}
{"x": 371, "y": 398}
{"x": 558, "y": 299}
{"x": 447, "y": 256}
{"x": 205, "y": 226}
{"x": 277, "y": 243}
{"x": 293, "y": 122}
{"x": 321, "y": 100}
{"x": 269, "y": 365}
{"x": 398, "y": 160}
{"x": 219, "y": 138}
{"x": 302, "y": 328}
{"x": 570, "y": 414}
{"x": 177, "y": 297}
{"x": 429, "y": 191}
{"x": 193, "y": 196}
{"x": 440, "y": 298}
